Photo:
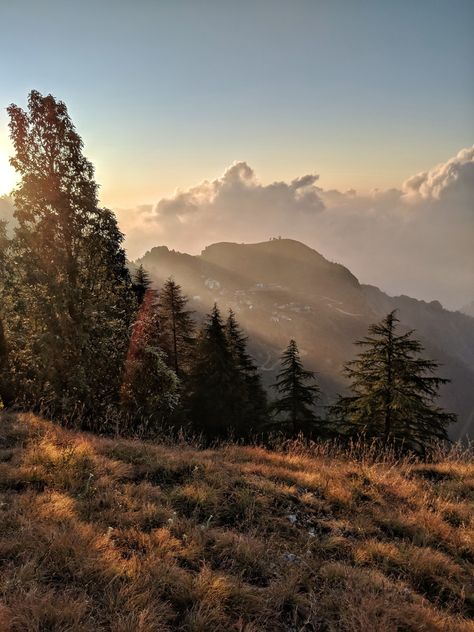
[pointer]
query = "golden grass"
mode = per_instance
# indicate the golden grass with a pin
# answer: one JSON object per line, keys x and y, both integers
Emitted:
{"x": 119, "y": 535}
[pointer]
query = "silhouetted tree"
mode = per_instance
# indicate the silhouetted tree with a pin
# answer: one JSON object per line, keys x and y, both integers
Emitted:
{"x": 141, "y": 283}
{"x": 213, "y": 396}
{"x": 176, "y": 327}
{"x": 253, "y": 398}
{"x": 393, "y": 391}
{"x": 72, "y": 303}
{"x": 298, "y": 393}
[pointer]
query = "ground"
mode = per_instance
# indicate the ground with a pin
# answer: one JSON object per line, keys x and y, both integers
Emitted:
{"x": 102, "y": 534}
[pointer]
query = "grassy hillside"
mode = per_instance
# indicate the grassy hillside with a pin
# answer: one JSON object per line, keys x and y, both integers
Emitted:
{"x": 118, "y": 535}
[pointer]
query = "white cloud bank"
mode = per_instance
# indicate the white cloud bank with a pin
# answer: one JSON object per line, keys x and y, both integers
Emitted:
{"x": 416, "y": 240}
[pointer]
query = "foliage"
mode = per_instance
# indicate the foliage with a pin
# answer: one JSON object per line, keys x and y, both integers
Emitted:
{"x": 149, "y": 391}
{"x": 71, "y": 301}
{"x": 252, "y": 396}
{"x": 213, "y": 398}
{"x": 141, "y": 283}
{"x": 6, "y": 392}
{"x": 176, "y": 328}
{"x": 393, "y": 391}
{"x": 297, "y": 399}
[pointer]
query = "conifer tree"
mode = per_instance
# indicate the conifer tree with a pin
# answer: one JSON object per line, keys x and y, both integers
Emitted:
{"x": 141, "y": 283}
{"x": 298, "y": 393}
{"x": 394, "y": 389}
{"x": 176, "y": 327}
{"x": 73, "y": 301}
{"x": 253, "y": 398}
{"x": 149, "y": 392}
{"x": 213, "y": 396}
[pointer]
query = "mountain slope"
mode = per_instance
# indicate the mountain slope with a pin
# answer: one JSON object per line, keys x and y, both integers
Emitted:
{"x": 282, "y": 289}
{"x": 114, "y": 535}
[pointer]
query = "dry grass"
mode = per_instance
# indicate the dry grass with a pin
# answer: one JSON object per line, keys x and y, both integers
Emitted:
{"x": 124, "y": 536}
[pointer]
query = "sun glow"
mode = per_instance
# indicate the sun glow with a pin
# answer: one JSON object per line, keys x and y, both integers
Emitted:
{"x": 7, "y": 175}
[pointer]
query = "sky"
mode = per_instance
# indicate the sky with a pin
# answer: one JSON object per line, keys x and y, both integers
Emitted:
{"x": 170, "y": 94}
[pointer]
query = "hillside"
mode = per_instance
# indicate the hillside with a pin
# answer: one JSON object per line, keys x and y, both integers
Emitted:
{"x": 282, "y": 289}
{"x": 117, "y": 535}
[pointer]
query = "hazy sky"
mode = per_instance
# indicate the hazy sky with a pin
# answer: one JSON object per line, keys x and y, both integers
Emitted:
{"x": 169, "y": 93}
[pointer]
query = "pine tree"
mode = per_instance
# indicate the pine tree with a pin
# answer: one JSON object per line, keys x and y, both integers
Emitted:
{"x": 149, "y": 392}
{"x": 394, "y": 389}
{"x": 72, "y": 302}
{"x": 297, "y": 396}
{"x": 213, "y": 396}
{"x": 176, "y": 327}
{"x": 253, "y": 398}
{"x": 141, "y": 283}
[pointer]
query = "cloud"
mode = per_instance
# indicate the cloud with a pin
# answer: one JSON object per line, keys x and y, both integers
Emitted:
{"x": 454, "y": 178}
{"x": 416, "y": 239}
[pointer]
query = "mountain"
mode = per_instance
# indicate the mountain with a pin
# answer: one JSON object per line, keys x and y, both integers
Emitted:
{"x": 282, "y": 289}
{"x": 468, "y": 309}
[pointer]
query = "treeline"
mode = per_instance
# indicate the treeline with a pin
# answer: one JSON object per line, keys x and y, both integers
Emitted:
{"x": 86, "y": 343}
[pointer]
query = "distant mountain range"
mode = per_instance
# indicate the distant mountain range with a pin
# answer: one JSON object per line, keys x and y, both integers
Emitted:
{"x": 282, "y": 289}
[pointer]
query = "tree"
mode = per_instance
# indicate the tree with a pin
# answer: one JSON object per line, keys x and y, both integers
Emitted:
{"x": 72, "y": 300}
{"x": 213, "y": 396}
{"x": 253, "y": 398}
{"x": 394, "y": 389}
{"x": 176, "y": 327}
{"x": 6, "y": 392}
{"x": 297, "y": 395}
{"x": 149, "y": 392}
{"x": 141, "y": 283}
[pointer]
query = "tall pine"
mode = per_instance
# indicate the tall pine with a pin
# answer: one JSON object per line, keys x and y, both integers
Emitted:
{"x": 298, "y": 394}
{"x": 141, "y": 283}
{"x": 213, "y": 398}
{"x": 73, "y": 301}
{"x": 394, "y": 390}
{"x": 253, "y": 398}
{"x": 176, "y": 327}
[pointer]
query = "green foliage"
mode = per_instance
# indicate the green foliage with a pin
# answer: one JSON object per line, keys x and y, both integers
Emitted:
{"x": 141, "y": 282}
{"x": 214, "y": 400}
{"x": 149, "y": 392}
{"x": 252, "y": 395}
{"x": 6, "y": 387}
{"x": 176, "y": 328}
{"x": 394, "y": 389}
{"x": 70, "y": 303}
{"x": 298, "y": 394}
